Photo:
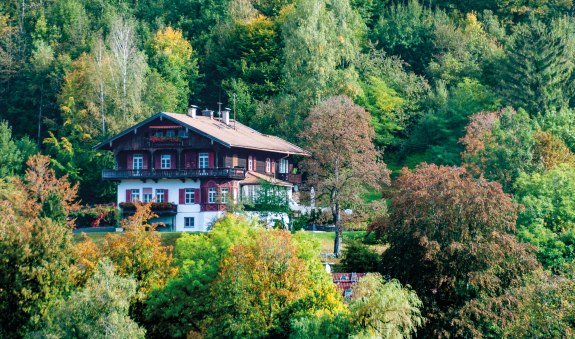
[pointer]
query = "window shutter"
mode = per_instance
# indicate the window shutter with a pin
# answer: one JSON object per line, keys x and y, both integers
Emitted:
{"x": 182, "y": 196}
{"x": 145, "y": 159}
{"x": 273, "y": 166}
{"x": 157, "y": 160}
{"x": 166, "y": 198}
{"x": 197, "y": 196}
{"x": 130, "y": 161}
{"x": 211, "y": 160}
{"x": 128, "y": 195}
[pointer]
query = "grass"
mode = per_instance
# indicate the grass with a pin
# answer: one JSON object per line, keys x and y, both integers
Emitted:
{"x": 326, "y": 239}
{"x": 168, "y": 238}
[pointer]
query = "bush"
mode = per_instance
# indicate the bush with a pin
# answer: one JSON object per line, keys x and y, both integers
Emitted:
{"x": 95, "y": 216}
{"x": 358, "y": 257}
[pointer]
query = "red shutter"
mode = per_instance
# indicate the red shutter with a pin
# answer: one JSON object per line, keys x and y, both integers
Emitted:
{"x": 128, "y": 195}
{"x": 211, "y": 160}
{"x": 146, "y": 160}
{"x": 157, "y": 160}
{"x": 182, "y": 196}
{"x": 130, "y": 161}
{"x": 166, "y": 198}
{"x": 273, "y": 166}
{"x": 197, "y": 196}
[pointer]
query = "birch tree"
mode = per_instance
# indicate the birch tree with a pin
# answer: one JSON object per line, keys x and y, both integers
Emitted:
{"x": 344, "y": 160}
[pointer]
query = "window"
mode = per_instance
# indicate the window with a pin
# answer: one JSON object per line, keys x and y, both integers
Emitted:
{"x": 135, "y": 195}
{"x": 268, "y": 165}
{"x": 137, "y": 162}
{"x": 189, "y": 222}
{"x": 147, "y": 194}
{"x": 224, "y": 195}
{"x": 166, "y": 161}
{"x": 189, "y": 197}
{"x": 283, "y": 165}
{"x": 212, "y": 195}
{"x": 203, "y": 160}
{"x": 170, "y": 133}
{"x": 234, "y": 160}
{"x": 158, "y": 134}
{"x": 250, "y": 163}
{"x": 160, "y": 195}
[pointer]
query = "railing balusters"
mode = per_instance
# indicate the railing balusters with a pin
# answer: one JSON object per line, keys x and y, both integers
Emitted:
{"x": 228, "y": 173}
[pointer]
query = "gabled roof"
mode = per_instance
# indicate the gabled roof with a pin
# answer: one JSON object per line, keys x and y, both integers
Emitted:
{"x": 235, "y": 134}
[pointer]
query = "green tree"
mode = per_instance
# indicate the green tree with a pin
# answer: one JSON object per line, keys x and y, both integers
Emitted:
{"x": 10, "y": 156}
{"x": 98, "y": 310}
{"x": 321, "y": 42}
{"x": 358, "y": 257}
{"x": 385, "y": 309}
{"x": 548, "y": 219}
{"x": 500, "y": 145}
{"x": 539, "y": 67}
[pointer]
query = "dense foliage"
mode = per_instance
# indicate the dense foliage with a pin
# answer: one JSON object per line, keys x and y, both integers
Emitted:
{"x": 484, "y": 85}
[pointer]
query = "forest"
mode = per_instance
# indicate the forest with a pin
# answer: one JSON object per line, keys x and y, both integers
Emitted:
{"x": 463, "y": 122}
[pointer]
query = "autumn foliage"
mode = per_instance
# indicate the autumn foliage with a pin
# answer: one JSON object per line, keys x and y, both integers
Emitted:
{"x": 451, "y": 238}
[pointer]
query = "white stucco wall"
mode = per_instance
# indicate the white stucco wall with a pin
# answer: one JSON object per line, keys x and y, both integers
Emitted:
{"x": 201, "y": 219}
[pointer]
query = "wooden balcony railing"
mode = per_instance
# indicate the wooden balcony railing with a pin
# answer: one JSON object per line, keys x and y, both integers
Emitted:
{"x": 223, "y": 173}
{"x": 289, "y": 177}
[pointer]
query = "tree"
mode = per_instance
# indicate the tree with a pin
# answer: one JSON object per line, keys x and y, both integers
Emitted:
{"x": 500, "y": 145}
{"x": 10, "y": 156}
{"x": 344, "y": 160}
{"x": 357, "y": 257}
{"x": 548, "y": 218}
{"x": 172, "y": 56}
{"x": 539, "y": 67}
{"x": 98, "y": 310}
{"x": 452, "y": 239}
{"x": 35, "y": 245}
{"x": 321, "y": 42}
{"x": 385, "y": 309}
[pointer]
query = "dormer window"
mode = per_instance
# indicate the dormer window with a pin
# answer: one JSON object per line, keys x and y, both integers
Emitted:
{"x": 203, "y": 160}
{"x": 166, "y": 161}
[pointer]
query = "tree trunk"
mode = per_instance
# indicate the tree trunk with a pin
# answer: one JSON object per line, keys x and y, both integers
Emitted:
{"x": 338, "y": 229}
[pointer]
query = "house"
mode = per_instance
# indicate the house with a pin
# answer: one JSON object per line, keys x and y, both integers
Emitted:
{"x": 346, "y": 281}
{"x": 191, "y": 166}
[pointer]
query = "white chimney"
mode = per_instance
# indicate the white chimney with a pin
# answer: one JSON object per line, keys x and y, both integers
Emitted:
{"x": 226, "y": 116}
{"x": 192, "y": 111}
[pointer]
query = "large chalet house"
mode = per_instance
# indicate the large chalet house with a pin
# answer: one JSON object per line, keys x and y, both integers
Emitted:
{"x": 192, "y": 166}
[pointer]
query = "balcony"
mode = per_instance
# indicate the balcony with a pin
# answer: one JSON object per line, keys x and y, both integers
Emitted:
{"x": 289, "y": 177}
{"x": 160, "y": 208}
{"x": 197, "y": 173}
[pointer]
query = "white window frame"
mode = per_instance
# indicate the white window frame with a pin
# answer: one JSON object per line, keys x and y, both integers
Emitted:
{"x": 189, "y": 222}
{"x": 138, "y": 159}
{"x": 203, "y": 160}
{"x": 189, "y": 196}
{"x": 166, "y": 161}
{"x": 284, "y": 165}
{"x": 224, "y": 192}
{"x": 268, "y": 165}
{"x": 160, "y": 193}
{"x": 135, "y": 196}
{"x": 212, "y": 195}
{"x": 170, "y": 133}
{"x": 147, "y": 197}
{"x": 250, "y": 163}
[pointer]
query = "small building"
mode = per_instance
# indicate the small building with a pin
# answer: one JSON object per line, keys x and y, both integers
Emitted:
{"x": 192, "y": 166}
{"x": 346, "y": 281}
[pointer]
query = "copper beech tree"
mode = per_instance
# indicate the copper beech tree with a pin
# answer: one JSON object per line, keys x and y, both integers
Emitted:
{"x": 344, "y": 161}
{"x": 451, "y": 238}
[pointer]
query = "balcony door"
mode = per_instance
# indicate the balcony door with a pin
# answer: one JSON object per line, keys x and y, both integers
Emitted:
{"x": 138, "y": 163}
